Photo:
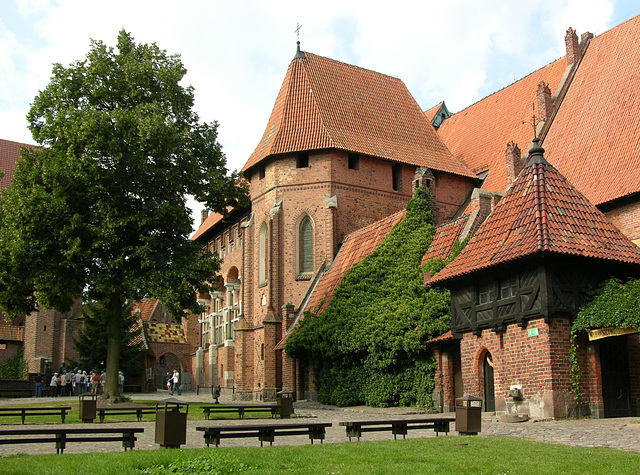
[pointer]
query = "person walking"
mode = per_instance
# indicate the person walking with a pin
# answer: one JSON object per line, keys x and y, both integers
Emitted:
{"x": 176, "y": 382}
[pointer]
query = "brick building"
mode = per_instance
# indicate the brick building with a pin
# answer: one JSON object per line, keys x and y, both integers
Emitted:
{"x": 340, "y": 155}
{"x": 338, "y": 158}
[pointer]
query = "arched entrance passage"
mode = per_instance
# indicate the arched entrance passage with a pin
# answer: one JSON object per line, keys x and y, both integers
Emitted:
{"x": 165, "y": 364}
{"x": 489, "y": 389}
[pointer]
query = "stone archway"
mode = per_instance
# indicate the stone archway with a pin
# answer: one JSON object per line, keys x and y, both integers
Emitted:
{"x": 165, "y": 364}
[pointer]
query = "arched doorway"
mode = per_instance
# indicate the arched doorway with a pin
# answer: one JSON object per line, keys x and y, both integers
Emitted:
{"x": 489, "y": 389}
{"x": 164, "y": 367}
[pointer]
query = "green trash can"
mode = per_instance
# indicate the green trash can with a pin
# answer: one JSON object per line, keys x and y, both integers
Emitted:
{"x": 285, "y": 403}
{"x": 171, "y": 423}
{"x": 87, "y": 406}
{"x": 468, "y": 415}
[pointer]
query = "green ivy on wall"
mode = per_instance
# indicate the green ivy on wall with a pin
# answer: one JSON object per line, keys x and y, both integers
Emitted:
{"x": 613, "y": 305}
{"x": 368, "y": 346}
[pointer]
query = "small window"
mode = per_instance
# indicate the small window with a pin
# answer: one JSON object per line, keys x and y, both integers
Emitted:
{"x": 354, "y": 162}
{"x": 486, "y": 293}
{"x": 303, "y": 160}
{"x": 508, "y": 287}
{"x": 261, "y": 172}
{"x": 396, "y": 176}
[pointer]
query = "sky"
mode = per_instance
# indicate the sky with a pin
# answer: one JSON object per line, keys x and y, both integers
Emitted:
{"x": 237, "y": 52}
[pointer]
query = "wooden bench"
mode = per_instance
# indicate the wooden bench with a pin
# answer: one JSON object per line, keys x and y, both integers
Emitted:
{"x": 241, "y": 409}
{"x": 35, "y": 411}
{"x": 121, "y": 411}
{"x": 61, "y": 436}
{"x": 264, "y": 432}
{"x": 397, "y": 426}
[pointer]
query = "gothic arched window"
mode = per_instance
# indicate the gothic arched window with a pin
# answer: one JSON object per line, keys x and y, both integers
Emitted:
{"x": 305, "y": 246}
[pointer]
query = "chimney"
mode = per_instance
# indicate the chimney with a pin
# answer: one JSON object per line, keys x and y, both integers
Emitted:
{"x": 544, "y": 101}
{"x": 573, "y": 47}
{"x": 514, "y": 161}
{"x": 204, "y": 215}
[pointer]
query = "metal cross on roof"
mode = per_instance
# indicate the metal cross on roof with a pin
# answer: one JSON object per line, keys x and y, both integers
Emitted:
{"x": 297, "y": 30}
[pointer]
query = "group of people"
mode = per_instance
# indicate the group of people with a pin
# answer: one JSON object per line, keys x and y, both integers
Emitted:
{"x": 69, "y": 383}
{"x": 75, "y": 383}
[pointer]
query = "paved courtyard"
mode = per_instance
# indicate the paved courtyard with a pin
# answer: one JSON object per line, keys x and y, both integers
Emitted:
{"x": 619, "y": 433}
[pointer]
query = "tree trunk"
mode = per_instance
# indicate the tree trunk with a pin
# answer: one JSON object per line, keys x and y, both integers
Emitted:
{"x": 114, "y": 343}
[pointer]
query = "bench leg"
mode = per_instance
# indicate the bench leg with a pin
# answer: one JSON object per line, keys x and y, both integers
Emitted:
{"x": 130, "y": 441}
{"x": 61, "y": 443}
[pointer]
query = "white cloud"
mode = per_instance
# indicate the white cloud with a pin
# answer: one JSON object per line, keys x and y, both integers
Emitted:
{"x": 237, "y": 52}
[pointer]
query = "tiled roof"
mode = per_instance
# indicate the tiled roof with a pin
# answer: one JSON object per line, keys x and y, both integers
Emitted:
{"x": 140, "y": 339}
{"x": 9, "y": 155}
{"x": 444, "y": 238}
{"x": 541, "y": 213}
{"x": 479, "y": 134}
{"x": 10, "y": 332}
{"x": 212, "y": 220}
{"x": 328, "y": 104}
{"x": 165, "y": 332}
{"x": 146, "y": 307}
{"x": 355, "y": 247}
{"x": 442, "y": 338}
{"x": 595, "y": 139}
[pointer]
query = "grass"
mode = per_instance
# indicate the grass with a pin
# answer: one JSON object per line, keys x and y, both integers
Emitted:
{"x": 442, "y": 455}
{"x": 195, "y": 413}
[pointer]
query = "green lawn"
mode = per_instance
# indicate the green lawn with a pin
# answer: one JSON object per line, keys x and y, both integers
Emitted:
{"x": 442, "y": 455}
{"x": 195, "y": 413}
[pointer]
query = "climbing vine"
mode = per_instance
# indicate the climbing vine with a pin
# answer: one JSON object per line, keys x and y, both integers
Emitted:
{"x": 368, "y": 346}
{"x": 613, "y": 305}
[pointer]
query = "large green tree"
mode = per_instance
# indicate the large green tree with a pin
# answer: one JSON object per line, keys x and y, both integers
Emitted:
{"x": 99, "y": 210}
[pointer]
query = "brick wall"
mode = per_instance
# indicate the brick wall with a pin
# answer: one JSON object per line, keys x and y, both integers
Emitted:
{"x": 627, "y": 219}
{"x": 539, "y": 364}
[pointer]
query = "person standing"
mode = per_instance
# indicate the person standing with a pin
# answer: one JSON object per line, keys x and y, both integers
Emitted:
{"x": 121, "y": 382}
{"x": 176, "y": 382}
{"x": 38, "y": 380}
{"x": 79, "y": 383}
{"x": 62, "y": 382}
{"x": 95, "y": 382}
{"x": 54, "y": 385}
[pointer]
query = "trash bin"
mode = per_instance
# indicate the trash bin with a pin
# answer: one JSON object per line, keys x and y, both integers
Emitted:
{"x": 171, "y": 423}
{"x": 285, "y": 403}
{"x": 87, "y": 406}
{"x": 468, "y": 415}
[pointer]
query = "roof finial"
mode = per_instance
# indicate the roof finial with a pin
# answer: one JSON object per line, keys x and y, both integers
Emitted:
{"x": 299, "y": 54}
{"x": 533, "y": 122}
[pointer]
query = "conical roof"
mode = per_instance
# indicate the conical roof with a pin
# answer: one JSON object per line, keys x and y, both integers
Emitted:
{"x": 541, "y": 213}
{"x": 326, "y": 104}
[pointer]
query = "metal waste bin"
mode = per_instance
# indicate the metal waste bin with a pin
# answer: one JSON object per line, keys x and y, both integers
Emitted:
{"x": 468, "y": 415}
{"x": 171, "y": 423}
{"x": 285, "y": 403}
{"x": 87, "y": 406}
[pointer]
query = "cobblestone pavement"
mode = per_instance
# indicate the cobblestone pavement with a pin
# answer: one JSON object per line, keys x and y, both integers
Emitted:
{"x": 619, "y": 433}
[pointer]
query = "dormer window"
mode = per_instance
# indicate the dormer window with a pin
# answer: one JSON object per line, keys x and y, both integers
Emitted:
{"x": 302, "y": 160}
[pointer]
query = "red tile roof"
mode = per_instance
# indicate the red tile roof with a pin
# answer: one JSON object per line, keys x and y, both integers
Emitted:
{"x": 146, "y": 307}
{"x": 595, "y": 138}
{"x": 444, "y": 238}
{"x": 442, "y": 338}
{"x": 9, "y": 155}
{"x": 355, "y": 247}
{"x": 541, "y": 213}
{"x": 478, "y": 135}
{"x": 212, "y": 220}
{"x": 328, "y": 104}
